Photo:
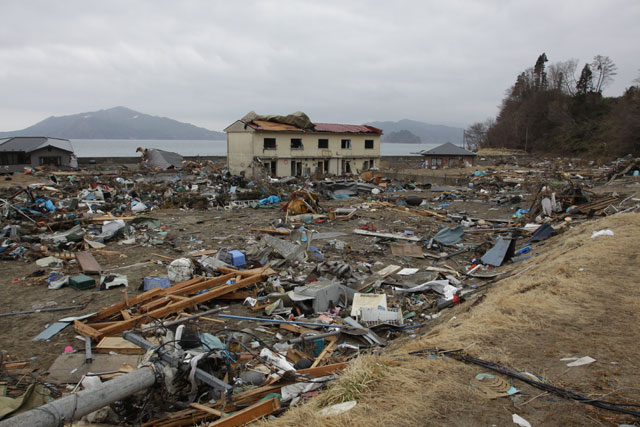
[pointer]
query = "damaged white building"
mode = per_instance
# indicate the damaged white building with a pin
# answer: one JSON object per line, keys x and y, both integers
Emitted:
{"x": 294, "y": 146}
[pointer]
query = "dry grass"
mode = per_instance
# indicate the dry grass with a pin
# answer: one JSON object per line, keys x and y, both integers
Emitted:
{"x": 500, "y": 152}
{"x": 528, "y": 322}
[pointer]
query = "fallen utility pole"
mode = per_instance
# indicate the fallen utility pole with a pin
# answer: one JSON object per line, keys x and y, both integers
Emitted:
{"x": 84, "y": 402}
{"x": 79, "y": 404}
{"x": 41, "y": 310}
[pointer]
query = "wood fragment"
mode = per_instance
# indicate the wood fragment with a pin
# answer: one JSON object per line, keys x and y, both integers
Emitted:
{"x": 249, "y": 414}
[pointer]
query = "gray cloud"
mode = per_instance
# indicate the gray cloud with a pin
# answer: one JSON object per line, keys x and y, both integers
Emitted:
{"x": 210, "y": 62}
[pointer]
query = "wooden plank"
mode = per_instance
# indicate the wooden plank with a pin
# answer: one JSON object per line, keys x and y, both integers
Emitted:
{"x": 271, "y": 231}
{"x": 386, "y": 235}
{"x": 257, "y": 393}
{"x": 88, "y": 263}
{"x": 387, "y": 271}
{"x": 206, "y": 408}
{"x": 86, "y": 330}
{"x": 117, "y": 345}
{"x": 181, "y": 305}
{"x": 265, "y": 271}
{"x": 204, "y": 252}
{"x": 321, "y": 371}
{"x": 328, "y": 349}
{"x": 115, "y": 308}
{"x": 252, "y": 413}
{"x": 296, "y": 328}
{"x": 413, "y": 251}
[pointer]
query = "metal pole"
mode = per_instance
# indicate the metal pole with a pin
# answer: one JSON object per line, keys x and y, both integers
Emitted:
{"x": 290, "y": 322}
{"x": 84, "y": 402}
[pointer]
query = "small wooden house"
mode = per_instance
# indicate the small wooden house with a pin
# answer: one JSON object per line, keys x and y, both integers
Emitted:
{"x": 447, "y": 156}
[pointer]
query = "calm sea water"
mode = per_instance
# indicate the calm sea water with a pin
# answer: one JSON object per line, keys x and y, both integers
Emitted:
{"x": 127, "y": 147}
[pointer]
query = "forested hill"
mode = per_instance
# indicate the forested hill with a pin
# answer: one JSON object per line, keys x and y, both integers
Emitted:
{"x": 555, "y": 109}
{"x": 116, "y": 123}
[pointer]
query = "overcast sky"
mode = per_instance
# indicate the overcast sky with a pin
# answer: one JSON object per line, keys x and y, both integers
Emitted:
{"x": 210, "y": 62}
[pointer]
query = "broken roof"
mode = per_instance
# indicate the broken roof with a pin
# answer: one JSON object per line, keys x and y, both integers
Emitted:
{"x": 447, "y": 149}
{"x": 29, "y": 144}
{"x": 300, "y": 122}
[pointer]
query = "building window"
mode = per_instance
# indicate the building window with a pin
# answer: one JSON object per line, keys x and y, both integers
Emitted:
{"x": 50, "y": 161}
{"x": 345, "y": 144}
{"x": 296, "y": 144}
{"x": 323, "y": 144}
{"x": 368, "y": 144}
{"x": 269, "y": 144}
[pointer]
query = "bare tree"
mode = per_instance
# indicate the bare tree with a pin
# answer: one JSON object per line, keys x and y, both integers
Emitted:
{"x": 562, "y": 76}
{"x": 604, "y": 69}
{"x": 476, "y": 134}
{"x": 637, "y": 79}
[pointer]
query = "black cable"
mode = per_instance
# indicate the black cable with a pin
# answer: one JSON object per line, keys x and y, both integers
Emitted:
{"x": 567, "y": 394}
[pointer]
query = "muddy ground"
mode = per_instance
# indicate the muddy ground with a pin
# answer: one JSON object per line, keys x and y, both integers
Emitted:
{"x": 193, "y": 230}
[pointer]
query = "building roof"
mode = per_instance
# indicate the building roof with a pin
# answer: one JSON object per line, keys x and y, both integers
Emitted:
{"x": 28, "y": 144}
{"x": 261, "y": 125}
{"x": 447, "y": 149}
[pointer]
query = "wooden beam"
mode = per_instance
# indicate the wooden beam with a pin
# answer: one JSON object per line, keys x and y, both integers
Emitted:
{"x": 328, "y": 349}
{"x": 208, "y": 409}
{"x": 181, "y": 305}
{"x": 321, "y": 371}
{"x": 249, "y": 414}
{"x": 115, "y": 308}
{"x": 86, "y": 330}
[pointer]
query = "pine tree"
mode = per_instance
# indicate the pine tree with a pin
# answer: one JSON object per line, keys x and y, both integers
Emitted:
{"x": 540, "y": 75}
{"x": 585, "y": 83}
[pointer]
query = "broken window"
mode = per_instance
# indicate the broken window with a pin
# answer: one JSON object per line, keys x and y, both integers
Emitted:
{"x": 269, "y": 144}
{"x": 323, "y": 144}
{"x": 296, "y": 144}
{"x": 368, "y": 144}
{"x": 50, "y": 161}
{"x": 345, "y": 144}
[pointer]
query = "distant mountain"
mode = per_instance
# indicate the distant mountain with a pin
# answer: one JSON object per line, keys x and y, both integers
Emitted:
{"x": 402, "y": 136}
{"x": 115, "y": 123}
{"x": 426, "y": 132}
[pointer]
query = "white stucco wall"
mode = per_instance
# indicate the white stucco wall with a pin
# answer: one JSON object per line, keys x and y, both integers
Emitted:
{"x": 244, "y": 144}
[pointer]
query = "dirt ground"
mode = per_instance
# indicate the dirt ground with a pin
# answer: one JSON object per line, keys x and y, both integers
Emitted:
{"x": 577, "y": 297}
{"x": 188, "y": 230}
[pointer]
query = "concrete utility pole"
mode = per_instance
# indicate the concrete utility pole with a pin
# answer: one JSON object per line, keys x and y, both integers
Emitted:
{"x": 84, "y": 402}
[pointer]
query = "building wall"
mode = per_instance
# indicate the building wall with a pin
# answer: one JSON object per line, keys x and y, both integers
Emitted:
{"x": 443, "y": 161}
{"x": 240, "y": 152}
{"x": 65, "y": 156}
{"x": 245, "y": 144}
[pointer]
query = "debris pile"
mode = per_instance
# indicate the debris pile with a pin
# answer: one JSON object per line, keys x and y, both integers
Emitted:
{"x": 258, "y": 309}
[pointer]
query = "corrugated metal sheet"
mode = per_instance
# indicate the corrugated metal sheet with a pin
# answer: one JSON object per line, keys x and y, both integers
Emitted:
{"x": 339, "y": 128}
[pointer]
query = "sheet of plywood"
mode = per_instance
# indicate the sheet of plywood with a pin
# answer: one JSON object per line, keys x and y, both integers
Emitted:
{"x": 117, "y": 345}
{"x": 88, "y": 263}
{"x": 413, "y": 251}
{"x": 69, "y": 368}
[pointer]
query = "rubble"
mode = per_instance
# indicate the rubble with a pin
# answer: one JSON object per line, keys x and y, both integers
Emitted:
{"x": 241, "y": 290}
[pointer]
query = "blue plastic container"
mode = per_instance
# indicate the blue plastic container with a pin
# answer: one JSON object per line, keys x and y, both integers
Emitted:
{"x": 237, "y": 258}
{"x": 153, "y": 282}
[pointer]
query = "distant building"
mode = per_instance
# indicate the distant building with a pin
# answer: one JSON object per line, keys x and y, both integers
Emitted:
{"x": 447, "y": 156}
{"x": 21, "y": 151}
{"x": 294, "y": 146}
